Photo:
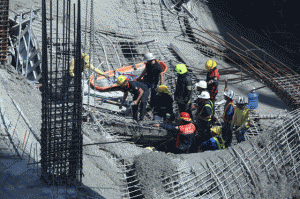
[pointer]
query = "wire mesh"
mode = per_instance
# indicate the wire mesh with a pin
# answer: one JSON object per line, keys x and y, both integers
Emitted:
{"x": 226, "y": 178}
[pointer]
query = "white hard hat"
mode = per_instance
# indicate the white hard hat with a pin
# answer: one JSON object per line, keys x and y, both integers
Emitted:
{"x": 241, "y": 100}
{"x": 149, "y": 56}
{"x": 229, "y": 94}
{"x": 202, "y": 84}
{"x": 204, "y": 95}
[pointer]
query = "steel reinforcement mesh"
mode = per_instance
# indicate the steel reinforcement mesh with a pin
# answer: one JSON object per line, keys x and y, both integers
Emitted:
{"x": 4, "y": 5}
{"x": 61, "y": 143}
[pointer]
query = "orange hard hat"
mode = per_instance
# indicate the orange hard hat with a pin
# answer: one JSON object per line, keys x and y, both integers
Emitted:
{"x": 185, "y": 116}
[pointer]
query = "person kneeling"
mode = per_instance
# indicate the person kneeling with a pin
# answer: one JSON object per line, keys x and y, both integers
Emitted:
{"x": 214, "y": 143}
{"x": 185, "y": 134}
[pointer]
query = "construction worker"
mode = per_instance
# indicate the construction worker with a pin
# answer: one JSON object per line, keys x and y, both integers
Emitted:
{"x": 152, "y": 73}
{"x": 140, "y": 95}
{"x": 241, "y": 119}
{"x": 214, "y": 143}
{"x": 203, "y": 117}
{"x": 185, "y": 133}
{"x": 163, "y": 104}
{"x": 227, "y": 117}
{"x": 201, "y": 86}
{"x": 183, "y": 92}
{"x": 212, "y": 78}
{"x": 84, "y": 64}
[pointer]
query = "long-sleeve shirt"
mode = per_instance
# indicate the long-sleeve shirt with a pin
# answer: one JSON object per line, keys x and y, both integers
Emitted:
{"x": 211, "y": 76}
{"x": 183, "y": 88}
{"x": 241, "y": 118}
{"x": 228, "y": 112}
{"x": 211, "y": 144}
{"x": 185, "y": 134}
{"x": 84, "y": 66}
{"x": 163, "y": 103}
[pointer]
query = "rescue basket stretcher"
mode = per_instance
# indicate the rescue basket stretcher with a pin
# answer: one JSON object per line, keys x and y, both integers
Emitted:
{"x": 103, "y": 84}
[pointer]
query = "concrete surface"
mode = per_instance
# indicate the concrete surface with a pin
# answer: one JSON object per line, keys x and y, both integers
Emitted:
{"x": 102, "y": 175}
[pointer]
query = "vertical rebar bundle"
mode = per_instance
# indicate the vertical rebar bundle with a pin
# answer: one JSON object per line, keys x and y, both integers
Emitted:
{"x": 4, "y": 5}
{"x": 61, "y": 138}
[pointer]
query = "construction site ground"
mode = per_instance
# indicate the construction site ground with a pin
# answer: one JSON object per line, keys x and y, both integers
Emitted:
{"x": 107, "y": 167}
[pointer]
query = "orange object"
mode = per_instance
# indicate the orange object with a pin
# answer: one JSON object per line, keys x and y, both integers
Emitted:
{"x": 24, "y": 139}
{"x": 111, "y": 73}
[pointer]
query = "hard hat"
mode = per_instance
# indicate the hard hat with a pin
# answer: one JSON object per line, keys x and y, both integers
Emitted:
{"x": 149, "y": 148}
{"x": 210, "y": 64}
{"x": 217, "y": 130}
{"x": 204, "y": 95}
{"x": 149, "y": 56}
{"x": 85, "y": 57}
{"x": 163, "y": 89}
{"x": 180, "y": 69}
{"x": 121, "y": 79}
{"x": 229, "y": 94}
{"x": 185, "y": 116}
{"x": 241, "y": 100}
{"x": 202, "y": 84}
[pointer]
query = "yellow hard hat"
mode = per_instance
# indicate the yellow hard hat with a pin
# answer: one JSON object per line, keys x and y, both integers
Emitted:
{"x": 121, "y": 79}
{"x": 180, "y": 69}
{"x": 85, "y": 57}
{"x": 149, "y": 148}
{"x": 210, "y": 64}
{"x": 163, "y": 89}
{"x": 217, "y": 130}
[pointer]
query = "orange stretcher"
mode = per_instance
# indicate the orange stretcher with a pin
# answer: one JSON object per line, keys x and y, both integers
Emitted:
{"x": 102, "y": 84}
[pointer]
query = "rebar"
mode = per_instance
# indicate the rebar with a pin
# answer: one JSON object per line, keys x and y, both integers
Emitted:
{"x": 4, "y": 4}
{"x": 61, "y": 125}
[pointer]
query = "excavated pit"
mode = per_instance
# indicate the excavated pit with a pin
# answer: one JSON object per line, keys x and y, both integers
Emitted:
{"x": 253, "y": 169}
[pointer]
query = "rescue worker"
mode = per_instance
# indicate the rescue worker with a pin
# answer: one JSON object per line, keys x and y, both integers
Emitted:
{"x": 201, "y": 86}
{"x": 84, "y": 64}
{"x": 185, "y": 133}
{"x": 214, "y": 143}
{"x": 241, "y": 119}
{"x": 212, "y": 78}
{"x": 163, "y": 104}
{"x": 183, "y": 92}
{"x": 152, "y": 73}
{"x": 227, "y": 117}
{"x": 203, "y": 117}
{"x": 140, "y": 95}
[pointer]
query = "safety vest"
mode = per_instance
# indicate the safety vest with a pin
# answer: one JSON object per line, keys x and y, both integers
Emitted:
{"x": 226, "y": 109}
{"x": 220, "y": 145}
{"x": 210, "y": 105}
{"x": 239, "y": 113}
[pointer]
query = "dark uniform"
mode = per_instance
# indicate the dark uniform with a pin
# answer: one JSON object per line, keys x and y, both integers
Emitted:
{"x": 185, "y": 136}
{"x": 213, "y": 88}
{"x": 151, "y": 78}
{"x": 183, "y": 93}
{"x": 203, "y": 125}
{"x": 214, "y": 143}
{"x": 163, "y": 105}
{"x": 133, "y": 87}
{"x": 227, "y": 118}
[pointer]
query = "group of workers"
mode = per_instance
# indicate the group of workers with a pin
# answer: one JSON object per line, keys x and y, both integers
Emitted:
{"x": 195, "y": 132}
